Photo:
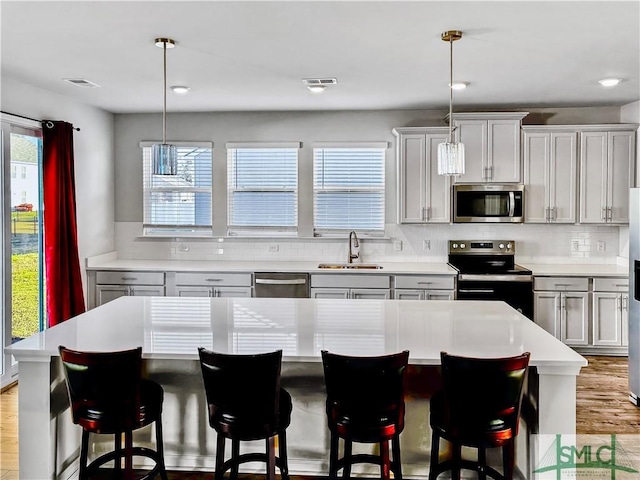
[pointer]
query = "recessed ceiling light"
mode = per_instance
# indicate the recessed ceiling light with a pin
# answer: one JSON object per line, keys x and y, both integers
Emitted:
{"x": 180, "y": 89}
{"x": 609, "y": 82}
{"x": 316, "y": 88}
{"x": 459, "y": 85}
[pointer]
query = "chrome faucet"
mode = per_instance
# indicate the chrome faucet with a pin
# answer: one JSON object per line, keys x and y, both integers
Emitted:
{"x": 353, "y": 242}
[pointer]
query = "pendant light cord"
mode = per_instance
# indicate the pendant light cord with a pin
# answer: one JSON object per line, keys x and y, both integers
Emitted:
{"x": 450, "y": 88}
{"x": 164, "y": 105}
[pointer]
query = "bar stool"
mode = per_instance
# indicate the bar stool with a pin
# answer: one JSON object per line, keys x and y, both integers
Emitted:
{"x": 478, "y": 407}
{"x": 108, "y": 396}
{"x": 365, "y": 404}
{"x": 246, "y": 402}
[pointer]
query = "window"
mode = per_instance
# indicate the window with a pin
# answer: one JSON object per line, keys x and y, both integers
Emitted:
{"x": 179, "y": 204}
{"x": 262, "y": 181}
{"x": 348, "y": 188}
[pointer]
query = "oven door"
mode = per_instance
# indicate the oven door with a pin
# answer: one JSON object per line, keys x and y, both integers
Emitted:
{"x": 488, "y": 203}
{"x": 518, "y": 294}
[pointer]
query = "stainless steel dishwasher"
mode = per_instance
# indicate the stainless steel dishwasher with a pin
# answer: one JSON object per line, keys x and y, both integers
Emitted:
{"x": 281, "y": 285}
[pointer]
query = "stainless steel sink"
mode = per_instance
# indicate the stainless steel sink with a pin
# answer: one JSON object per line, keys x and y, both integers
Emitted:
{"x": 342, "y": 266}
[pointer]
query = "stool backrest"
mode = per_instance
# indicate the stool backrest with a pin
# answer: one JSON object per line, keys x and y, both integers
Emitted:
{"x": 104, "y": 382}
{"x": 372, "y": 383}
{"x": 242, "y": 385}
{"x": 483, "y": 391}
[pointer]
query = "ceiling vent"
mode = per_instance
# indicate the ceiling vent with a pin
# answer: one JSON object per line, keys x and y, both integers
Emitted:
{"x": 81, "y": 82}
{"x": 319, "y": 81}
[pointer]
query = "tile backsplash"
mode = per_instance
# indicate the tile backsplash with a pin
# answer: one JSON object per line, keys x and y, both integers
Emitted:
{"x": 403, "y": 243}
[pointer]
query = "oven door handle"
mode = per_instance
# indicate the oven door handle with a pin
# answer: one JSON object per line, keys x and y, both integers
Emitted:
{"x": 512, "y": 204}
{"x": 494, "y": 278}
{"x": 479, "y": 290}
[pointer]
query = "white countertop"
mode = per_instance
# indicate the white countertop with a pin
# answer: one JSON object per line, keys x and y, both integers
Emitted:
{"x": 577, "y": 269}
{"x": 173, "y": 328}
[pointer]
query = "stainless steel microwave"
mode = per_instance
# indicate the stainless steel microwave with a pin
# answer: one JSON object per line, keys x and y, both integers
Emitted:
{"x": 488, "y": 203}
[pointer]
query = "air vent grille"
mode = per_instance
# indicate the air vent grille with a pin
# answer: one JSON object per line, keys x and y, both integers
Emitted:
{"x": 319, "y": 81}
{"x": 81, "y": 82}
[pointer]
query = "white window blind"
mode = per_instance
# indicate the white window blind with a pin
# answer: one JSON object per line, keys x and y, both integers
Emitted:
{"x": 179, "y": 204}
{"x": 262, "y": 189}
{"x": 348, "y": 189}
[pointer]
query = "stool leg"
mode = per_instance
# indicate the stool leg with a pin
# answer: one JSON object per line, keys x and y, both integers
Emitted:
{"x": 219, "y": 457}
{"x": 117, "y": 448}
{"x": 128, "y": 454}
{"x": 457, "y": 458}
{"x": 282, "y": 453}
{"x": 271, "y": 458}
{"x": 160, "y": 448}
{"x": 482, "y": 461}
{"x": 333, "y": 456}
{"x": 397, "y": 462}
{"x": 235, "y": 453}
{"x": 84, "y": 450}
{"x": 346, "y": 472}
{"x": 508, "y": 455}
{"x": 435, "y": 453}
{"x": 384, "y": 460}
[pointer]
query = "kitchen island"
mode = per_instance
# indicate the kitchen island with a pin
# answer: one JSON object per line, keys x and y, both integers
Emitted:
{"x": 170, "y": 329}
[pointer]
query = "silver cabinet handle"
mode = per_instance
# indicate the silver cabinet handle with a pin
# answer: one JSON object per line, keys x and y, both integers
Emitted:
{"x": 212, "y": 279}
{"x": 554, "y": 211}
{"x": 610, "y": 212}
{"x": 269, "y": 281}
{"x": 427, "y": 213}
{"x": 603, "y": 214}
{"x": 129, "y": 278}
{"x": 424, "y": 283}
{"x": 424, "y": 213}
{"x": 625, "y": 302}
{"x": 547, "y": 214}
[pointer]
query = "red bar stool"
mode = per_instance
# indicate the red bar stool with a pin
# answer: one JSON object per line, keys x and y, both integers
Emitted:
{"x": 478, "y": 407}
{"x": 246, "y": 402}
{"x": 108, "y": 396}
{"x": 365, "y": 404}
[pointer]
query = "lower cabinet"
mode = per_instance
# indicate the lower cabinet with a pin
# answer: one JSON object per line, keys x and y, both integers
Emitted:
{"x": 357, "y": 286}
{"x": 564, "y": 314}
{"x": 424, "y": 287}
{"x": 611, "y": 312}
{"x": 213, "y": 285}
{"x": 114, "y": 284}
{"x": 406, "y": 294}
{"x": 356, "y": 293}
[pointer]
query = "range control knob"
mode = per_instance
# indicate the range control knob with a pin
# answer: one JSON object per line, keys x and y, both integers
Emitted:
{"x": 462, "y": 245}
{"x": 454, "y": 246}
{"x": 508, "y": 246}
{"x": 501, "y": 246}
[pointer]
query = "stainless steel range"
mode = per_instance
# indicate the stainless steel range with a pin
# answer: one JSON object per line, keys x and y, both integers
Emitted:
{"x": 487, "y": 271}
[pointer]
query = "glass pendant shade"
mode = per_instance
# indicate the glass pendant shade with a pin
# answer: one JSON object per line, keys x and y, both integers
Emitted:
{"x": 164, "y": 159}
{"x": 451, "y": 158}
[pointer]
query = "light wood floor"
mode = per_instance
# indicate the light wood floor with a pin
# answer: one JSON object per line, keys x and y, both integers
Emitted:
{"x": 602, "y": 407}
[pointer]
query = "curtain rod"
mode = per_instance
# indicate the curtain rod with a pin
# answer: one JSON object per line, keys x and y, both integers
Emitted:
{"x": 48, "y": 123}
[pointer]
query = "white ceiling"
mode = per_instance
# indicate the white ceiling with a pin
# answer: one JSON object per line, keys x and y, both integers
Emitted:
{"x": 249, "y": 56}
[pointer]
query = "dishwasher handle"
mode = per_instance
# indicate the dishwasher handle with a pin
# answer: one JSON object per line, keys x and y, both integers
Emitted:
{"x": 272, "y": 281}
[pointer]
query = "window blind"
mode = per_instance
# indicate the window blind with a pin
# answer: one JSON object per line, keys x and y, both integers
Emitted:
{"x": 179, "y": 204}
{"x": 348, "y": 189}
{"x": 262, "y": 189}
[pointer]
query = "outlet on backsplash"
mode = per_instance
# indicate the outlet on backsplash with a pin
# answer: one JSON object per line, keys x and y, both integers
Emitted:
{"x": 601, "y": 246}
{"x": 575, "y": 245}
{"x": 426, "y": 245}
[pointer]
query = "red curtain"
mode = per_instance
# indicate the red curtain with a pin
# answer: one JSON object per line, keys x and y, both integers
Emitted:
{"x": 65, "y": 298}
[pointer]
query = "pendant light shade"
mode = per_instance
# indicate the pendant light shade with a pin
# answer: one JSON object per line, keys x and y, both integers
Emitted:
{"x": 451, "y": 154}
{"x": 164, "y": 156}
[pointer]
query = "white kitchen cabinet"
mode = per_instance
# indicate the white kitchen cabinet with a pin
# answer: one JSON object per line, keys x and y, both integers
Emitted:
{"x": 423, "y": 195}
{"x": 492, "y": 146}
{"x": 611, "y": 312}
{"x": 405, "y": 294}
{"x": 550, "y": 174}
{"x": 115, "y": 284}
{"x": 607, "y": 166}
{"x": 361, "y": 286}
{"x": 353, "y": 293}
{"x": 424, "y": 287}
{"x": 563, "y": 314}
{"x": 213, "y": 285}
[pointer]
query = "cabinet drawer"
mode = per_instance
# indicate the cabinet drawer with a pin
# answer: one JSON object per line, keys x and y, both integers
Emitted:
{"x": 214, "y": 279}
{"x": 610, "y": 284}
{"x": 573, "y": 284}
{"x": 350, "y": 281}
{"x": 129, "y": 278}
{"x": 431, "y": 282}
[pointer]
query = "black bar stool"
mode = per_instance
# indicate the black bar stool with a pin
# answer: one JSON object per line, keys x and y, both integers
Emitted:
{"x": 246, "y": 402}
{"x": 365, "y": 404}
{"x": 108, "y": 396}
{"x": 478, "y": 407}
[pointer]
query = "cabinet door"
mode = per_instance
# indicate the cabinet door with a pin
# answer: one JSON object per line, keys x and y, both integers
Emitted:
{"x": 146, "y": 291}
{"x": 404, "y": 294}
{"x": 106, "y": 293}
{"x": 473, "y": 133}
{"x": 329, "y": 293}
{"x": 412, "y": 159}
{"x": 438, "y": 191}
{"x": 503, "y": 151}
{"x": 194, "y": 291}
{"x": 232, "y": 292}
{"x": 440, "y": 295}
{"x": 370, "y": 293}
{"x": 575, "y": 318}
{"x": 593, "y": 177}
{"x": 563, "y": 177}
{"x": 621, "y": 152}
{"x": 607, "y": 319}
{"x": 537, "y": 168}
{"x": 547, "y": 311}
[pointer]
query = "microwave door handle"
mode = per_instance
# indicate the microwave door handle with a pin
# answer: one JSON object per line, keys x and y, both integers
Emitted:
{"x": 512, "y": 204}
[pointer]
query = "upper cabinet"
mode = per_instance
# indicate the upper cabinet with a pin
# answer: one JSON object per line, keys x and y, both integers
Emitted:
{"x": 550, "y": 174}
{"x": 492, "y": 146}
{"x": 423, "y": 195}
{"x": 607, "y": 161}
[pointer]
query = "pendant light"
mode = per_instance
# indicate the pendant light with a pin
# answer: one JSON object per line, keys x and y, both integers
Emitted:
{"x": 164, "y": 157}
{"x": 451, "y": 154}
